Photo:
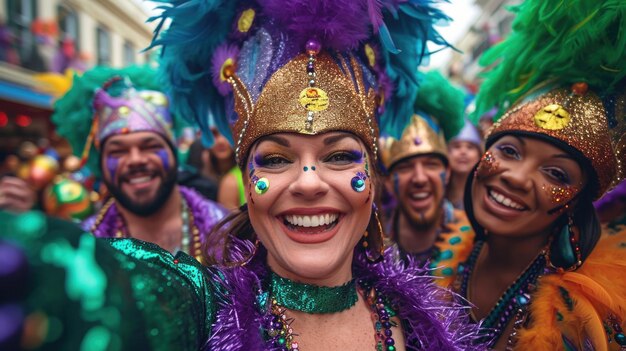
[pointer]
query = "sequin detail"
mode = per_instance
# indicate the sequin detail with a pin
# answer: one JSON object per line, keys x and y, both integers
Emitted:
{"x": 311, "y": 298}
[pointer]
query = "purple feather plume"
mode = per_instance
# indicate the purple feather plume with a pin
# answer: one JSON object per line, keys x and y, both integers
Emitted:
{"x": 374, "y": 10}
{"x": 223, "y": 53}
{"x": 338, "y": 25}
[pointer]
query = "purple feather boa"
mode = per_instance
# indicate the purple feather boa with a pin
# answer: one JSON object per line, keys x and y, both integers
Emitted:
{"x": 430, "y": 322}
{"x": 206, "y": 214}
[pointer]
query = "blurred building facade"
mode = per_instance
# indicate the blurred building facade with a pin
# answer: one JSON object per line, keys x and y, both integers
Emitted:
{"x": 38, "y": 36}
{"x": 493, "y": 24}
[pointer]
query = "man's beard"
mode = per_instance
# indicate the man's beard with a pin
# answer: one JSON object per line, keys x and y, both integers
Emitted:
{"x": 145, "y": 209}
{"x": 419, "y": 221}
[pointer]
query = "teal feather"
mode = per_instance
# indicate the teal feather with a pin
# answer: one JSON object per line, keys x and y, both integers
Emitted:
{"x": 410, "y": 28}
{"x": 198, "y": 28}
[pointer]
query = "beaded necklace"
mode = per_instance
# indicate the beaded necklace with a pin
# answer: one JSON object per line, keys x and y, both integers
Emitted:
{"x": 190, "y": 241}
{"x": 315, "y": 299}
{"x": 514, "y": 301}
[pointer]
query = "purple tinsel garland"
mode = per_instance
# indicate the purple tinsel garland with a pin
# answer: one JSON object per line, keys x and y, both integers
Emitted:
{"x": 206, "y": 214}
{"x": 430, "y": 321}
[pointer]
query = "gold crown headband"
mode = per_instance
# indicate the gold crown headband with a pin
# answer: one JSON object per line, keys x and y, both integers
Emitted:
{"x": 311, "y": 94}
{"x": 579, "y": 119}
{"x": 418, "y": 138}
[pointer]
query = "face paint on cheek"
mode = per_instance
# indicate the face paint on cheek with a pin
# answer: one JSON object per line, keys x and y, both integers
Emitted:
{"x": 442, "y": 175}
{"x": 560, "y": 195}
{"x": 487, "y": 166}
{"x": 112, "y": 164}
{"x": 358, "y": 182}
{"x": 165, "y": 158}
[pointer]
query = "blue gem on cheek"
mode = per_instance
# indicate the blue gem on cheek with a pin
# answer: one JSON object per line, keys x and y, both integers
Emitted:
{"x": 358, "y": 184}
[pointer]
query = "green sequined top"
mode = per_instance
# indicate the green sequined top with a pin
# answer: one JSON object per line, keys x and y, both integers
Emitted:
{"x": 118, "y": 298}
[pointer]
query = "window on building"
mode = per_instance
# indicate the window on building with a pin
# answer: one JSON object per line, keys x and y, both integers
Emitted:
{"x": 129, "y": 53}
{"x": 103, "y": 41}
{"x": 505, "y": 26}
{"x": 68, "y": 25}
{"x": 20, "y": 15}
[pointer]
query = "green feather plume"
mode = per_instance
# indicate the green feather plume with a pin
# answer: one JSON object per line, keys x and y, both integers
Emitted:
{"x": 439, "y": 99}
{"x": 73, "y": 113}
{"x": 556, "y": 43}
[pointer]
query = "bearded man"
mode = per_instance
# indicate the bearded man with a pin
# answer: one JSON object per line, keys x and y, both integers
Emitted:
{"x": 132, "y": 132}
{"x": 423, "y": 224}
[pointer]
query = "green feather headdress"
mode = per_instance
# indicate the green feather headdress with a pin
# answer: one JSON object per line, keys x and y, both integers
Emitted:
{"x": 556, "y": 43}
{"x": 438, "y": 98}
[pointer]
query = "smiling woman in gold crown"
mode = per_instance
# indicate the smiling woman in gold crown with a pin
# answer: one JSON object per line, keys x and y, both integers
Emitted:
{"x": 302, "y": 84}
{"x": 540, "y": 276}
{"x": 302, "y": 266}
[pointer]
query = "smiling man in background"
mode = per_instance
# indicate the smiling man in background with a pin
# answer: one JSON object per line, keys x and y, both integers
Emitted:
{"x": 424, "y": 225}
{"x": 132, "y": 131}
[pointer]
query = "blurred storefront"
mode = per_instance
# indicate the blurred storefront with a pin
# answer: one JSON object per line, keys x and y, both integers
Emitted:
{"x": 40, "y": 36}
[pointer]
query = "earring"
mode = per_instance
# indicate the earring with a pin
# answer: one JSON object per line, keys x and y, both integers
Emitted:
{"x": 358, "y": 182}
{"x": 262, "y": 185}
{"x": 374, "y": 257}
{"x": 566, "y": 247}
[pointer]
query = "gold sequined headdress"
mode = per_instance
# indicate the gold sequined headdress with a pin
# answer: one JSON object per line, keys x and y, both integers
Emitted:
{"x": 293, "y": 102}
{"x": 578, "y": 118}
{"x": 564, "y": 85}
{"x": 261, "y": 67}
{"x": 421, "y": 137}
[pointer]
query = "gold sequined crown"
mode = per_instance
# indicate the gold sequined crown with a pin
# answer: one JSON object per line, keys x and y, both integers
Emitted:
{"x": 418, "y": 138}
{"x": 578, "y": 118}
{"x": 311, "y": 94}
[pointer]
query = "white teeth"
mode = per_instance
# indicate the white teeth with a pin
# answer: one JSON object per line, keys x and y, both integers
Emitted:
{"x": 306, "y": 221}
{"x": 140, "y": 180}
{"x": 505, "y": 201}
{"x": 420, "y": 196}
{"x": 311, "y": 221}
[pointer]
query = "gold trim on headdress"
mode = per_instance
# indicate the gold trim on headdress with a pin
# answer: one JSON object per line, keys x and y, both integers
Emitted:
{"x": 288, "y": 104}
{"x": 577, "y": 118}
{"x": 418, "y": 138}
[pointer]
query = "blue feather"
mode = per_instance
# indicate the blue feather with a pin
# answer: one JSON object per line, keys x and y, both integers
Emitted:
{"x": 409, "y": 27}
{"x": 197, "y": 28}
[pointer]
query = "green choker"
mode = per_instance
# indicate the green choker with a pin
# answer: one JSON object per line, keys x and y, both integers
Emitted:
{"x": 311, "y": 298}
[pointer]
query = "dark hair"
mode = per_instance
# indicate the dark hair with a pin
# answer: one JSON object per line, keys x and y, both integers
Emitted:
{"x": 194, "y": 156}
